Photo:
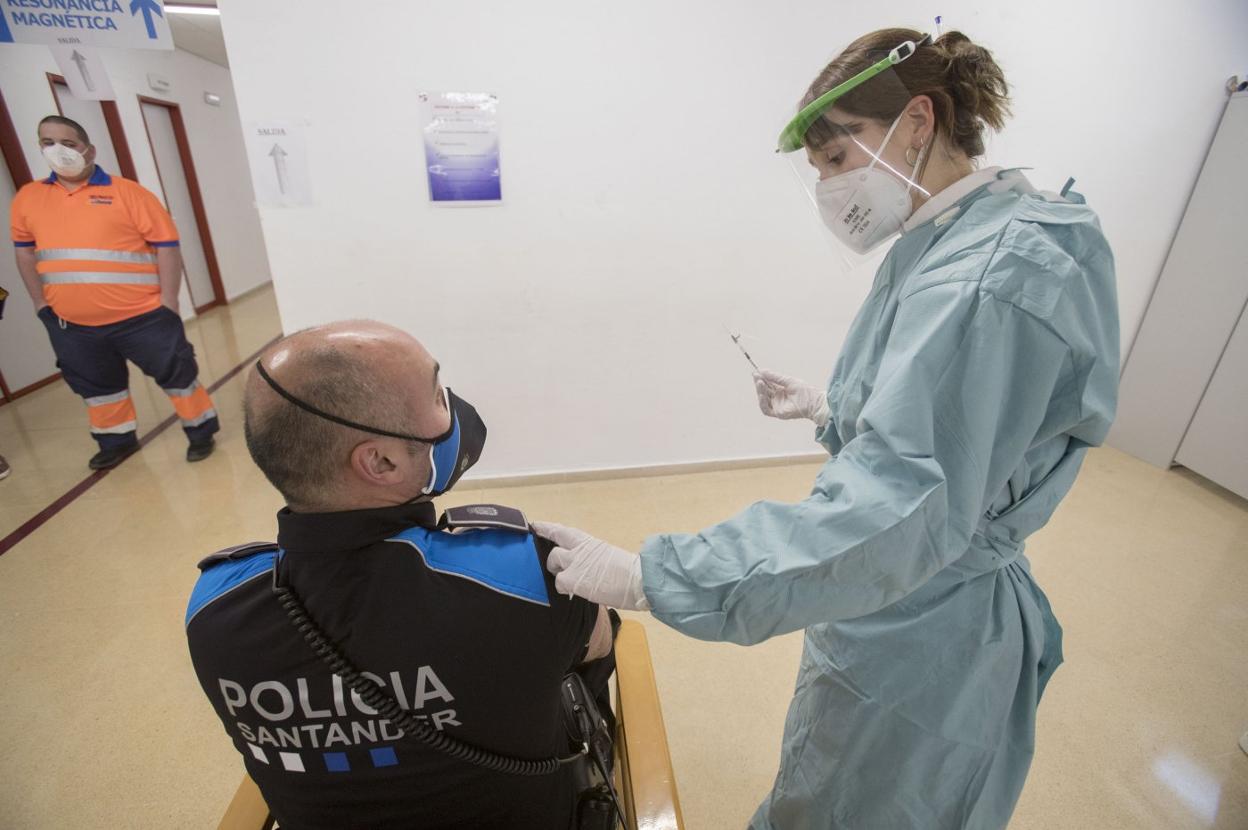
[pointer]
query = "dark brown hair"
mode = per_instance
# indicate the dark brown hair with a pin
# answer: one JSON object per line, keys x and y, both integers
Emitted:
{"x": 67, "y": 122}
{"x": 304, "y": 455}
{"x": 967, "y": 88}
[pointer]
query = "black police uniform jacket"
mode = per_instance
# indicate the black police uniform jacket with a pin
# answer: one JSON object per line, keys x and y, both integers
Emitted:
{"x": 464, "y": 629}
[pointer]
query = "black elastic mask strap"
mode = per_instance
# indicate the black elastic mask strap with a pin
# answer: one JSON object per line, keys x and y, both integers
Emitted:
{"x": 320, "y": 413}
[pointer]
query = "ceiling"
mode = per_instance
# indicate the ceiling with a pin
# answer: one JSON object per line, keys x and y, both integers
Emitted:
{"x": 199, "y": 34}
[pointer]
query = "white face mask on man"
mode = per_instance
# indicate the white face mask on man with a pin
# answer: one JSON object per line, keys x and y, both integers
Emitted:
{"x": 865, "y": 207}
{"x": 64, "y": 161}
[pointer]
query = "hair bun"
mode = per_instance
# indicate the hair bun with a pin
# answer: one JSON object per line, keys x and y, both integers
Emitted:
{"x": 976, "y": 82}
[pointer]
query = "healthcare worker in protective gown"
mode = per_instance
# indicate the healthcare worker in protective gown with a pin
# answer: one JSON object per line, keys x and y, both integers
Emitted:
{"x": 980, "y": 369}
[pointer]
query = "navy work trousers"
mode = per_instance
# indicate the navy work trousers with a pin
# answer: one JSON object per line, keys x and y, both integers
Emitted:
{"x": 93, "y": 359}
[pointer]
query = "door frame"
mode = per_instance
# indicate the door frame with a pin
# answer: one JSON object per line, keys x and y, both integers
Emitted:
{"x": 112, "y": 118}
{"x": 11, "y": 148}
{"x": 15, "y": 160}
{"x": 192, "y": 186}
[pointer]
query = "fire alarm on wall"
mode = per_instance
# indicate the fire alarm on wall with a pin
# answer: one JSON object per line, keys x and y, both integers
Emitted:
{"x": 212, "y": 99}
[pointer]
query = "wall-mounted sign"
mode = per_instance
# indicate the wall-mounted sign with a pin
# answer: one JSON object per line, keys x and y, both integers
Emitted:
{"x": 84, "y": 72}
{"x": 461, "y": 147}
{"x": 279, "y": 164}
{"x": 120, "y": 24}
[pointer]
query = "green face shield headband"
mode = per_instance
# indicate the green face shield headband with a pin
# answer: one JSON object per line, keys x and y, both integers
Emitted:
{"x": 794, "y": 133}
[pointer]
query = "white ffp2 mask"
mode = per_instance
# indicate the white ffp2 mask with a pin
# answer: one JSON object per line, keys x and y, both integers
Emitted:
{"x": 865, "y": 207}
{"x": 64, "y": 161}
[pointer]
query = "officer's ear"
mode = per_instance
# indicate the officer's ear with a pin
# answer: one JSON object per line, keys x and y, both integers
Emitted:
{"x": 373, "y": 461}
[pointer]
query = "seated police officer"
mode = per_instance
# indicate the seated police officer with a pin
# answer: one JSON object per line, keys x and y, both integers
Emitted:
{"x": 458, "y": 622}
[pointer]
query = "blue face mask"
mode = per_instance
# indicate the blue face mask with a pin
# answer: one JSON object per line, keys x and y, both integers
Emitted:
{"x": 453, "y": 452}
{"x": 450, "y": 454}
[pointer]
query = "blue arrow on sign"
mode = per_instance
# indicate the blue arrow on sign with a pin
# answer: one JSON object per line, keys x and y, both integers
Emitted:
{"x": 147, "y": 7}
{"x": 6, "y": 36}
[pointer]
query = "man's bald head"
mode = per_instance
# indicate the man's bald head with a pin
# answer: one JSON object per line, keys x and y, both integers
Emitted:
{"x": 360, "y": 370}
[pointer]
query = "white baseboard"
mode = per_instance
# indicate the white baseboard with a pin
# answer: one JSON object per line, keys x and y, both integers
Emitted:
{"x": 686, "y": 468}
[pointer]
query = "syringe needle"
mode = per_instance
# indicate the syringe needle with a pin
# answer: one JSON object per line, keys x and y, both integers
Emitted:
{"x": 736, "y": 339}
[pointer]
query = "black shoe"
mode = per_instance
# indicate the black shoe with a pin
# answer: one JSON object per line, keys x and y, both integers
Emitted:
{"x": 111, "y": 457}
{"x": 199, "y": 450}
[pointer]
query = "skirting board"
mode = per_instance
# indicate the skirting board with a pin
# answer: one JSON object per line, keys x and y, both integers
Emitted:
{"x": 604, "y": 474}
{"x": 242, "y": 294}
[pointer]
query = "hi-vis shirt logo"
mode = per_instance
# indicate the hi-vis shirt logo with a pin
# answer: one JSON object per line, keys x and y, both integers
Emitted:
{"x": 101, "y": 200}
{"x": 330, "y": 717}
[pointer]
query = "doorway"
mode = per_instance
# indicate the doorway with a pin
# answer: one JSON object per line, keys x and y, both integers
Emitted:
{"x": 171, "y": 150}
{"x": 102, "y": 121}
{"x": 26, "y": 358}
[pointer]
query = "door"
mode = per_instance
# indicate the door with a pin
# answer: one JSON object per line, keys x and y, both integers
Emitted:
{"x": 26, "y": 358}
{"x": 1216, "y": 444}
{"x": 172, "y": 152}
{"x": 103, "y": 125}
{"x": 1194, "y": 307}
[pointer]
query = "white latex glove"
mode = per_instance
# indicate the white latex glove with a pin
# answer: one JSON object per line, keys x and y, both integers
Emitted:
{"x": 781, "y": 396}
{"x": 593, "y": 569}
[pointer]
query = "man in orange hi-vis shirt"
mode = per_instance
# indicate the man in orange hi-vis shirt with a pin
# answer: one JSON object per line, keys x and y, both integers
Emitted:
{"x": 99, "y": 256}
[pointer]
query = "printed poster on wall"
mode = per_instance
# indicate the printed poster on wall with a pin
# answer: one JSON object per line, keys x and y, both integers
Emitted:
{"x": 278, "y": 154}
{"x": 461, "y": 147}
{"x": 84, "y": 71}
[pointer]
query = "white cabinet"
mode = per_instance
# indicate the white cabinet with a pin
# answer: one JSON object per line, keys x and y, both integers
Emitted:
{"x": 1182, "y": 397}
{"x": 1214, "y": 444}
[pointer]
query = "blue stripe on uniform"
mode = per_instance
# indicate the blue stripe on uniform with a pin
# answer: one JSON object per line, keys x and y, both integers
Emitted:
{"x": 221, "y": 578}
{"x": 501, "y": 560}
{"x": 172, "y": 244}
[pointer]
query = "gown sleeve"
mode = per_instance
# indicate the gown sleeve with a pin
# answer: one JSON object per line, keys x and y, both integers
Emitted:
{"x": 964, "y": 385}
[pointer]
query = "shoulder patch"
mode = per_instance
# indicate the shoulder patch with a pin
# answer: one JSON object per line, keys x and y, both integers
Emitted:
{"x": 223, "y": 573}
{"x": 484, "y": 516}
{"x": 501, "y": 560}
{"x": 236, "y": 552}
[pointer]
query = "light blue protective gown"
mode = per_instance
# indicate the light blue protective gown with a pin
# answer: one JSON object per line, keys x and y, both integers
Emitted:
{"x": 982, "y": 366}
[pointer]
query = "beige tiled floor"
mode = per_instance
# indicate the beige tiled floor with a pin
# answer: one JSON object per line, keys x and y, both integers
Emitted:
{"x": 103, "y": 724}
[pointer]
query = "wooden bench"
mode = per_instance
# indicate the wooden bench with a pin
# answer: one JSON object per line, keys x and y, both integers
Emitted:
{"x": 643, "y": 764}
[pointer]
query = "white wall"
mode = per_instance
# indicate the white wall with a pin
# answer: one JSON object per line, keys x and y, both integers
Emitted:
{"x": 644, "y": 204}
{"x": 214, "y": 133}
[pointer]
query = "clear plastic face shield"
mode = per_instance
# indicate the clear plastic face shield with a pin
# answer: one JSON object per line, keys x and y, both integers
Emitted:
{"x": 860, "y": 158}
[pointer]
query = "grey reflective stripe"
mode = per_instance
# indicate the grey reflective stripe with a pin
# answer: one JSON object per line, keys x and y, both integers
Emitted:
{"x": 45, "y": 254}
{"x": 100, "y": 400}
{"x": 128, "y": 426}
{"x": 83, "y": 277}
{"x": 183, "y": 393}
{"x": 194, "y": 422}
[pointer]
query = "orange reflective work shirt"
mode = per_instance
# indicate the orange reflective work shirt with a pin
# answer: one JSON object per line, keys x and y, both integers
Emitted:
{"x": 95, "y": 247}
